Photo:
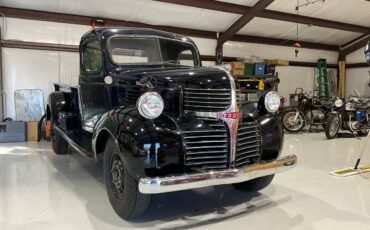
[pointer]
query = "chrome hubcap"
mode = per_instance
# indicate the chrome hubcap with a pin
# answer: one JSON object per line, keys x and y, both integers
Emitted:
{"x": 291, "y": 122}
{"x": 334, "y": 126}
{"x": 117, "y": 175}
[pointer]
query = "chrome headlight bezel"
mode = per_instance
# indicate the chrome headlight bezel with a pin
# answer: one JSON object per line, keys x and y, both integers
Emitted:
{"x": 338, "y": 103}
{"x": 272, "y": 101}
{"x": 147, "y": 110}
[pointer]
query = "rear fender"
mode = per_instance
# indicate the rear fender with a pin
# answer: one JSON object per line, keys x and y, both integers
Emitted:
{"x": 58, "y": 102}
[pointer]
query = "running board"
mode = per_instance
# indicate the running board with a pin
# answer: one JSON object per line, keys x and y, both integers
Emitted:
{"x": 76, "y": 146}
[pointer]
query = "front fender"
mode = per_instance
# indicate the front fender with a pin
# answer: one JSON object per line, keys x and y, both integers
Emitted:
{"x": 149, "y": 147}
{"x": 271, "y": 131}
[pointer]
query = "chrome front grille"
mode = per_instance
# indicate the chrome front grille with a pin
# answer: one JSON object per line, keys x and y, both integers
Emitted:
{"x": 207, "y": 149}
{"x": 132, "y": 94}
{"x": 248, "y": 150}
{"x": 207, "y": 100}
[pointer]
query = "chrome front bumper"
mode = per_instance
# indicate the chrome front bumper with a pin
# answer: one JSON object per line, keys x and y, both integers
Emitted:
{"x": 229, "y": 176}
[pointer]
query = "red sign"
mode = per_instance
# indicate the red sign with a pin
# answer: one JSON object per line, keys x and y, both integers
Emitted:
{"x": 231, "y": 115}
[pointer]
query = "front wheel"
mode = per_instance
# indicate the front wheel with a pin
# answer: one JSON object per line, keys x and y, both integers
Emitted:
{"x": 122, "y": 188}
{"x": 332, "y": 126}
{"x": 293, "y": 121}
{"x": 255, "y": 184}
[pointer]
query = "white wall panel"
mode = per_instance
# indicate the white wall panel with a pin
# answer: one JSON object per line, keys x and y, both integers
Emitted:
{"x": 357, "y": 78}
{"x": 205, "y": 46}
{"x": 356, "y": 57}
{"x": 40, "y": 31}
{"x": 292, "y": 77}
{"x": 68, "y": 68}
{"x": 28, "y": 69}
{"x": 36, "y": 31}
{"x": 73, "y": 33}
{"x": 241, "y": 49}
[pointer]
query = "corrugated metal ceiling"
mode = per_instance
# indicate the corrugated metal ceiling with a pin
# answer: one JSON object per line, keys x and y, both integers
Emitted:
{"x": 158, "y": 13}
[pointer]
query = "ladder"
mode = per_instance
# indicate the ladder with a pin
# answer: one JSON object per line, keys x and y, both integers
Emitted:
{"x": 322, "y": 84}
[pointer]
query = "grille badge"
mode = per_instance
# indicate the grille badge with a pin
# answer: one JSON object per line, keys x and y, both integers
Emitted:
{"x": 230, "y": 115}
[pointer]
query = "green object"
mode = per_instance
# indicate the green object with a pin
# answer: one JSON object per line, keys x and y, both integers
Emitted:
{"x": 322, "y": 84}
{"x": 248, "y": 69}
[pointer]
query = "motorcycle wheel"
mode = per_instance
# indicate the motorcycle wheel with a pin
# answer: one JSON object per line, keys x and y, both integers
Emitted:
{"x": 288, "y": 121}
{"x": 332, "y": 127}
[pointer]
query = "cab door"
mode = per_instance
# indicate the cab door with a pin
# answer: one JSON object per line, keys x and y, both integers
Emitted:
{"x": 94, "y": 97}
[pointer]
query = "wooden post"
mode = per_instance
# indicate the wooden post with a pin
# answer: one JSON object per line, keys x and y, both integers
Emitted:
{"x": 342, "y": 78}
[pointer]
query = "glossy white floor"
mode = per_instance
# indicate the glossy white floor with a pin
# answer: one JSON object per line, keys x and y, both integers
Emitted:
{"x": 39, "y": 190}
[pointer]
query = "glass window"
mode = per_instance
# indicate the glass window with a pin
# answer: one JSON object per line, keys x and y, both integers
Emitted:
{"x": 133, "y": 50}
{"x": 186, "y": 58}
{"x": 150, "y": 50}
{"x": 92, "y": 57}
{"x": 177, "y": 52}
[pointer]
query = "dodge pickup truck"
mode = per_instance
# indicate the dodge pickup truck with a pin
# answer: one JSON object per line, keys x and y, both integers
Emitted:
{"x": 161, "y": 122}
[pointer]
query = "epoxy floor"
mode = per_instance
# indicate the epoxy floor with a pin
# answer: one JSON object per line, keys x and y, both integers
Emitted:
{"x": 39, "y": 190}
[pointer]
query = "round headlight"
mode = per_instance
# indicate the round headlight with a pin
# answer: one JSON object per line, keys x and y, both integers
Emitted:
{"x": 272, "y": 101}
{"x": 338, "y": 103}
{"x": 150, "y": 105}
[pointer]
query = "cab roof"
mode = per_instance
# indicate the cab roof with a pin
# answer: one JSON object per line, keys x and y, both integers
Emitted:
{"x": 105, "y": 32}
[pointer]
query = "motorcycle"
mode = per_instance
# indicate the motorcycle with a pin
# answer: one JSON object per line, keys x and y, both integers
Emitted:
{"x": 308, "y": 110}
{"x": 351, "y": 115}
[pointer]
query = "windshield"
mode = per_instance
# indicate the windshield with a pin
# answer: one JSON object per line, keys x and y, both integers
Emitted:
{"x": 128, "y": 50}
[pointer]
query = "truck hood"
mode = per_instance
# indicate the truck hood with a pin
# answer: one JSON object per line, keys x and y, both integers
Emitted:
{"x": 174, "y": 77}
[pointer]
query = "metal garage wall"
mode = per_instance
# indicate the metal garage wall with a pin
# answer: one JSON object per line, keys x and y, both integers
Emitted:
{"x": 292, "y": 77}
{"x": 40, "y": 31}
{"x": 33, "y": 69}
{"x": 39, "y": 69}
{"x": 239, "y": 49}
{"x": 25, "y": 69}
{"x": 357, "y": 78}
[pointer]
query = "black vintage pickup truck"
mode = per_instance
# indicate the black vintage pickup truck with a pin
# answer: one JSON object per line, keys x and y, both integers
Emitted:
{"x": 160, "y": 121}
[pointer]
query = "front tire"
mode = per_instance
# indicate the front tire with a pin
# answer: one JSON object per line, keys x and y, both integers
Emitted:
{"x": 122, "y": 189}
{"x": 332, "y": 127}
{"x": 255, "y": 184}
{"x": 290, "y": 123}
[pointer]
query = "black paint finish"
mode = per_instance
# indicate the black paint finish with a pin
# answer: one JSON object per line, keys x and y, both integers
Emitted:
{"x": 153, "y": 147}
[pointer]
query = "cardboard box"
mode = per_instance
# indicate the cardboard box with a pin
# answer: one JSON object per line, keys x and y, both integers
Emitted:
{"x": 237, "y": 65}
{"x": 32, "y": 130}
{"x": 277, "y": 62}
{"x": 238, "y": 72}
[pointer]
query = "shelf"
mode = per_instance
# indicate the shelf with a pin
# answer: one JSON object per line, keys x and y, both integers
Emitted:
{"x": 254, "y": 77}
{"x": 254, "y": 91}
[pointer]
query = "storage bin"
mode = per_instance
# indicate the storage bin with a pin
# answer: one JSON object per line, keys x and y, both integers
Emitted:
{"x": 13, "y": 131}
{"x": 270, "y": 70}
{"x": 259, "y": 69}
{"x": 248, "y": 70}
